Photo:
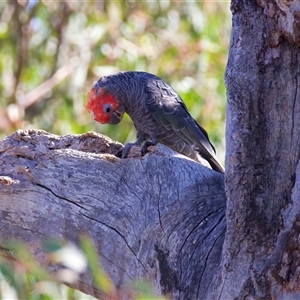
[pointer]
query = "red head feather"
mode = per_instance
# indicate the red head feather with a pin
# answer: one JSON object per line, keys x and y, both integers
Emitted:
{"x": 101, "y": 105}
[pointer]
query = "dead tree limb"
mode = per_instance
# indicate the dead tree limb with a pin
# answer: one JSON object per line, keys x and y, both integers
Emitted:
{"x": 160, "y": 217}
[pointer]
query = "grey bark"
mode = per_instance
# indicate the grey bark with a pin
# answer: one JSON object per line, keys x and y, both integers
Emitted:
{"x": 159, "y": 218}
{"x": 261, "y": 247}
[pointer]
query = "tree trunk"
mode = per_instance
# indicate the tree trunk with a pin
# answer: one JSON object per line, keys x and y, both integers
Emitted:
{"x": 160, "y": 217}
{"x": 261, "y": 247}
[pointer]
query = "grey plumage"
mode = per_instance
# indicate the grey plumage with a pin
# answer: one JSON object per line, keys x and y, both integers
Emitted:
{"x": 159, "y": 115}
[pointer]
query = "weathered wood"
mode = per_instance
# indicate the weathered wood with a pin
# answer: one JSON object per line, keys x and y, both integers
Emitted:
{"x": 160, "y": 217}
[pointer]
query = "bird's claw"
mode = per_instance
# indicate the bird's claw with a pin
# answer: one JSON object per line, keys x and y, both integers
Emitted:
{"x": 128, "y": 146}
{"x": 146, "y": 145}
{"x": 126, "y": 149}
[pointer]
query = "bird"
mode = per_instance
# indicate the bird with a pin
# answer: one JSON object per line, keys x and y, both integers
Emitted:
{"x": 157, "y": 111}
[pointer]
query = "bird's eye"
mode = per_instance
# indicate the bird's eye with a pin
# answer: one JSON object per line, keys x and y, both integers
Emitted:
{"x": 107, "y": 108}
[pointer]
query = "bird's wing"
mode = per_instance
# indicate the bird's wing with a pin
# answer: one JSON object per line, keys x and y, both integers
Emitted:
{"x": 169, "y": 110}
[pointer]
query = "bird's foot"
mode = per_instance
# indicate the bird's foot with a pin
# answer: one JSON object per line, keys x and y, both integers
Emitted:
{"x": 146, "y": 145}
{"x": 127, "y": 148}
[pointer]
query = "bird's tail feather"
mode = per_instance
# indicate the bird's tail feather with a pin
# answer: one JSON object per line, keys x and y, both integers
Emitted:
{"x": 216, "y": 165}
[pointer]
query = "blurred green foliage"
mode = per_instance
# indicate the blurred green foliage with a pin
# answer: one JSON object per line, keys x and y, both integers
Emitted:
{"x": 52, "y": 51}
{"x": 22, "y": 277}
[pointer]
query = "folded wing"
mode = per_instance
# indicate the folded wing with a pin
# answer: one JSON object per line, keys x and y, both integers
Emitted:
{"x": 169, "y": 110}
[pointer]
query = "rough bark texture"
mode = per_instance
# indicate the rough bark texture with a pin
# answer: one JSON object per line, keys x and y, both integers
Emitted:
{"x": 262, "y": 247}
{"x": 160, "y": 217}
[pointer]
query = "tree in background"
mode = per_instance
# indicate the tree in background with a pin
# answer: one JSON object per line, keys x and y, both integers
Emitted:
{"x": 52, "y": 51}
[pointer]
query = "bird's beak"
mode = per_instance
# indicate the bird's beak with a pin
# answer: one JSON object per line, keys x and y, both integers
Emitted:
{"x": 117, "y": 115}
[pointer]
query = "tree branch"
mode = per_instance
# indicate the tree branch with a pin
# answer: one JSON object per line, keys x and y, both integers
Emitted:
{"x": 160, "y": 217}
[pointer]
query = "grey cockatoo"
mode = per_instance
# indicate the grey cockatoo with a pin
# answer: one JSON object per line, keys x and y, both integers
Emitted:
{"x": 157, "y": 111}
